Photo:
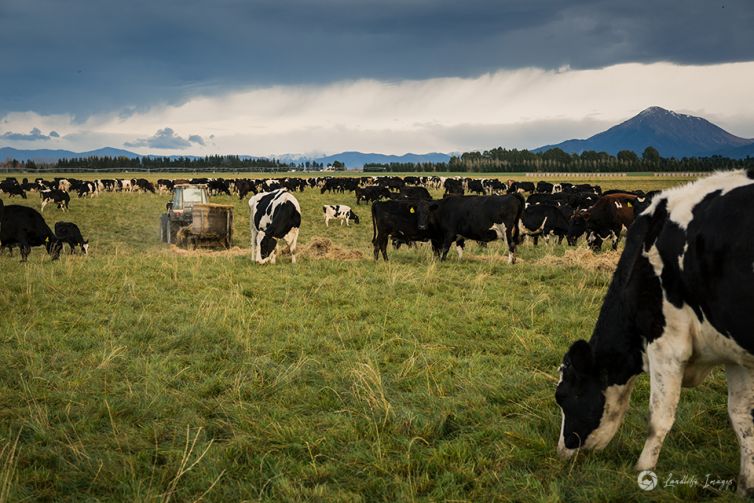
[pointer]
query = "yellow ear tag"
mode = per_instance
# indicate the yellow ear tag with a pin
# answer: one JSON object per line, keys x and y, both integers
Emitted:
{"x": 412, "y": 210}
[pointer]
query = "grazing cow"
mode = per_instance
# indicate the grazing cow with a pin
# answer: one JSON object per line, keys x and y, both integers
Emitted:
{"x": 218, "y": 186}
{"x": 244, "y": 187}
{"x": 68, "y": 232}
{"x": 521, "y": 187}
{"x": 274, "y": 215}
{"x": 143, "y": 184}
{"x": 679, "y": 304}
{"x": 125, "y": 185}
{"x": 475, "y": 186}
{"x": 545, "y": 188}
{"x": 64, "y": 185}
{"x": 544, "y": 219}
{"x": 453, "y": 187}
{"x": 608, "y": 218}
{"x": 480, "y": 218}
{"x": 339, "y": 212}
{"x": 57, "y": 196}
{"x": 164, "y": 186}
{"x": 406, "y": 221}
{"x": 24, "y": 227}
{"x": 12, "y": 188}
{"x": 372, "y": 193}
{"x": 415, "y": 193}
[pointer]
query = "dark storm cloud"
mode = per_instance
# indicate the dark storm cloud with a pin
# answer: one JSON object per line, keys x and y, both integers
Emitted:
{"x": 34, "y": 135}
{"x": 84, "y": 56}
{"x": 167, "y": 139}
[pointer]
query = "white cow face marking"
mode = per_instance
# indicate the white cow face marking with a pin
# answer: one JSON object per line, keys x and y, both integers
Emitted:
{"x": 592, "y": 413}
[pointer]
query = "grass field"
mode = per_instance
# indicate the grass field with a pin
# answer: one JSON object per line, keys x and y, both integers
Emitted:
{"x": 138, "y": 373}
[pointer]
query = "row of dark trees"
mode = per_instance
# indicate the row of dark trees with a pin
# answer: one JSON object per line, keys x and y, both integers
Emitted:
{"x": 500, "y": 160}
{"x": 497, "y": 160}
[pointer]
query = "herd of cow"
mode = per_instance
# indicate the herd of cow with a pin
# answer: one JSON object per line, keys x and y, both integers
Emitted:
{"x": 679, "y": 303}
{"x": 403, "y": 209}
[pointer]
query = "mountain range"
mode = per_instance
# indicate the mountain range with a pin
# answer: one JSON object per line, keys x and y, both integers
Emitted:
{"x": 671, "y": 133}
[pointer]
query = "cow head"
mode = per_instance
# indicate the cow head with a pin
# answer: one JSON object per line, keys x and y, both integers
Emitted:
{"x": 591, "y": 410}
{"x": 54, "y": 247}
{"x": 421, "y": 211}
{"x": 577, "y": 226}
{"x": 353, "y": 216}
{"x": 85, "y": 247}
{"x": 267, "y": 249}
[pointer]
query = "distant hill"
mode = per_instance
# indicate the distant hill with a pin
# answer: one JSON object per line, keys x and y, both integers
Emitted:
{"x": 46, "y": 155}
{"x": 358, "y": 159}
{"x": 671, "y": 133}
{"x": 350, "y": 159}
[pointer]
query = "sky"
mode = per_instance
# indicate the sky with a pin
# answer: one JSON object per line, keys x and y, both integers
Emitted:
{"x": 270, "y": 77}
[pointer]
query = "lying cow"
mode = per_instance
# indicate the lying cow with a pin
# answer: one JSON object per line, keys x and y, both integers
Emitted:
{"x": 274, "y": 215}
{"x": 679, "y": 304}
{"x": 56, "y": 196}
{"x": 68, "y": 232}
{"x": 339, "y": 212}
{"x": 24, "y": 227}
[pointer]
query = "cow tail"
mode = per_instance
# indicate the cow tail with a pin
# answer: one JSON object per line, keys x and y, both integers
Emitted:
{"x": 374, "y": 225}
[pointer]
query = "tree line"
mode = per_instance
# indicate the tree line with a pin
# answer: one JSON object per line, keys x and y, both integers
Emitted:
{"x": 501, "y": 160}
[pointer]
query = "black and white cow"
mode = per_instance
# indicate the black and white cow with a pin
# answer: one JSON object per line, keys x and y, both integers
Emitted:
{"x": 339, "y": 212}
{"x": 274, "y": 215}
{"x": 479, "y": 218}
{"x": 544, "y": 220}
{"x": 679, "y": 304}
{"x": 24, "y": 227}
{"x": 68, "y": 232}
{"x": 56, "y": 196}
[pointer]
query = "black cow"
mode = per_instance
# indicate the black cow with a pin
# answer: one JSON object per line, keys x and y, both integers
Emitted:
{"x": 145, "y": 185}
{"x": 521, "y": 187}
{"x": 372, "y": 193}
{"x": 679, "y": 305}
{"x": 415, "y": 193}
{"x": 480, "y": 218}
{"x": 12, "y": 188}
{"x": 218, "y": 186}
{"x": 406, "y": 221}
{"x": 453, "y": 187}
{"x": 544, "y": 219}
{"x": 475, "y": 186}
{"x": 274, "y": 215}
{"x": 545, "y": 188}
{"x": 609, "y": 217}
{"x": 68, "y": 232}
{"x": 24, "y": 227}
{"x": 57, "y": 196}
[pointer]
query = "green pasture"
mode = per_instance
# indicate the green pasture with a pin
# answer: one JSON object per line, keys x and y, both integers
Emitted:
{"x": 139, "y": 374}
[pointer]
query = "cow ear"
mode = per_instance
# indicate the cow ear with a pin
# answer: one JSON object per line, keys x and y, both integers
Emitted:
{"x": 580, "y": 355}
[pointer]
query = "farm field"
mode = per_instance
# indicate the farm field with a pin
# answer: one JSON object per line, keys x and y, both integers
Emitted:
{"x": 144, "y": 373}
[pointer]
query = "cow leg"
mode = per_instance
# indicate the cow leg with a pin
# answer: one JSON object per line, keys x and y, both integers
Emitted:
{"x": 341, "y": 222}
{"x": 383, "y": 247}
{"x": 459, "y": 248}
{"x": 25, "y": 250}
{"x": 535, "y": 238}
{"x": 741, "y": 413}
{"x": 290, "y": 240}
{"x": 44, "y": 203}
{"x": 327, "y": 222}
{"x": 667, "y": 357}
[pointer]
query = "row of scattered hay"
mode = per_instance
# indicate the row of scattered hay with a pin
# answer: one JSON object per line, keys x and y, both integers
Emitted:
{"x": 323, "y": 248}
{"x": 235, "y": 251}
{"x": 584, "y": 258}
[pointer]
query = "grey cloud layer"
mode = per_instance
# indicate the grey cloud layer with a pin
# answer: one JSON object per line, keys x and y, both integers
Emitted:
{"x": 86, "y": 56}
{"x": 166, "y": 139}
{"x": 34, "y": 135}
